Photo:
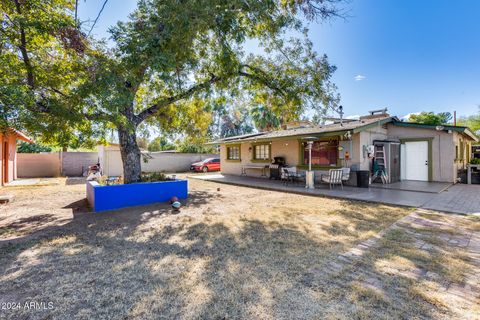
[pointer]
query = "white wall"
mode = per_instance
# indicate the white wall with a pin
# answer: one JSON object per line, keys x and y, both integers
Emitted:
{"x": 366, "y": 138}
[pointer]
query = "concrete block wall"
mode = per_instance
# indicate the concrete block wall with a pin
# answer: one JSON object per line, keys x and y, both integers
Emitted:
{"x": 75, "y": 163}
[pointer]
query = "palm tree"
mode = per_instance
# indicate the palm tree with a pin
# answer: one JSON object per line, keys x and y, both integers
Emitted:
{"x": 264, "y": 118}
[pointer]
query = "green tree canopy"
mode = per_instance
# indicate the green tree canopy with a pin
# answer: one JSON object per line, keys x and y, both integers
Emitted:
{"x": 25, "y": 147}
{"x": 42, "y": 61}
{"x": 160, "y": 144}
{"x": 169, "y": 63}
{"x": 431, "y": 118}
{"x": 473, "y": 122}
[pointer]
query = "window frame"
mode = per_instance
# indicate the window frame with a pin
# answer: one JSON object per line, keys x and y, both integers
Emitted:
{"x": 302, "y": 148}
{"x": 254, "y": 152}
{"x": 230, "y": 146}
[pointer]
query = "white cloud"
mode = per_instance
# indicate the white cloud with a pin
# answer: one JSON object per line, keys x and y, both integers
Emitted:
{"x": 359, "y": 77}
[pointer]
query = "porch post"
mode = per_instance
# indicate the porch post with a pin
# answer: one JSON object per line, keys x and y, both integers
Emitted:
{"x": 310, "y": 143}
{"x": 309, "y": 178}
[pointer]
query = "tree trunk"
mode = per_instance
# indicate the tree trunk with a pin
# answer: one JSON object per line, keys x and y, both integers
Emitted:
{"x": 131, "y": 156}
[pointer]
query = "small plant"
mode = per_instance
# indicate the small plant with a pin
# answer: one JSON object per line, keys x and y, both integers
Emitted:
{"x": 475, "y": 161}
{"x": 108, "y": 181}
{"x": 154, "y": 177}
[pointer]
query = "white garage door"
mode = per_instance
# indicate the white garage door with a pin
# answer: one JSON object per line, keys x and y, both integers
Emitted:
{"x": 416, "y": 160}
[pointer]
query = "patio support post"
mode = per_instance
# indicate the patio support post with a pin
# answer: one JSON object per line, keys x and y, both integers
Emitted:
{"x": 309, "y": 179}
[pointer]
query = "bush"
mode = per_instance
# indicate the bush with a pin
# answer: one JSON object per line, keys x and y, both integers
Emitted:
{"x": 25, "y": 147}
{"x": 475, "y": 161}
{"x": 154, "y": 177}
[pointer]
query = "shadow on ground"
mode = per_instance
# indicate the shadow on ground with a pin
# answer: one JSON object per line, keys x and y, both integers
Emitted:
{"x": 144, "y": 262}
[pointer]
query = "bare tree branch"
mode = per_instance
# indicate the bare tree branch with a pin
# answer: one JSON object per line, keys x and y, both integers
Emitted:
{"x": 98, "y": 16}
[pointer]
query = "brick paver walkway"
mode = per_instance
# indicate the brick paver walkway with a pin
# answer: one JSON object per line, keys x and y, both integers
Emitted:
{"x": 465, "y": 295}
{"x": 460, "y": 198}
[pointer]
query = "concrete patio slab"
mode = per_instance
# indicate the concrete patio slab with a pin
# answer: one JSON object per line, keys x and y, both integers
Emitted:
{"x": 459, "y": 198}
{"x": 419, "y": 186}
{"x": 396, "y": 197}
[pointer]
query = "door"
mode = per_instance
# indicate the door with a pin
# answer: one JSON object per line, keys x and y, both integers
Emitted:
{"x": 394, "y": 162}
{"x": 416, "y": 160}
{"x": 214, "y": 165}
{"x": 5, "y": 162}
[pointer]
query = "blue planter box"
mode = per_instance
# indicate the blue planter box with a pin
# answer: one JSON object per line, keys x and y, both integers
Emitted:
{"x": 102, "y": 198}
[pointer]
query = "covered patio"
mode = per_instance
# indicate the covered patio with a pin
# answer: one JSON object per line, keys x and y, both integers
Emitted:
{"x": 446, "y": 199}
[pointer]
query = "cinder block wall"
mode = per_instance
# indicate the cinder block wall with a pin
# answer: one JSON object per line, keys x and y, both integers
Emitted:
{"x": 75, "y": 163}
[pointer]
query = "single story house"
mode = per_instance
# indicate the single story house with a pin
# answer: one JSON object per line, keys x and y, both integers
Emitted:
{"x": 413, "y": 151}
{"x": 8, "y": 152}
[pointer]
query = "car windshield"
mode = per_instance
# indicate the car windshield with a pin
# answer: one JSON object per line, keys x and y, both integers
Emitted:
{"x": 207, "y": 160}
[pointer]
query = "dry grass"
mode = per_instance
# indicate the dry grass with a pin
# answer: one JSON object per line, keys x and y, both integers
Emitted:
{"x": 232, "y": 253}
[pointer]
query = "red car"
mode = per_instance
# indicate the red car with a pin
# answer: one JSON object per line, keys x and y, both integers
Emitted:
{"x": 210, "y": 164}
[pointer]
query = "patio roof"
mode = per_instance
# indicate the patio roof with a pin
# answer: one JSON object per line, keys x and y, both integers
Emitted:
{"x": 20, "y": 135}
{"x": 318, "y": 131}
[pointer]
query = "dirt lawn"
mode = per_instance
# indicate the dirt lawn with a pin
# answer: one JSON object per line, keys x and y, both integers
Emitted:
{"x": 232, "y": 252}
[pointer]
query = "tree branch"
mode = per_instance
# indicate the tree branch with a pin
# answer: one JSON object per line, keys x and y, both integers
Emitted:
{"x": 142, "y": 116}
{"x": 23, "y": 50}
{"x": 263, "y": 80}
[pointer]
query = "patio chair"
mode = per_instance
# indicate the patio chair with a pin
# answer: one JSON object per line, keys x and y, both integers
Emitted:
{"x": 290, "y": 176}
{"x": 334, "y": 177}
{"x": 346, "y": 174}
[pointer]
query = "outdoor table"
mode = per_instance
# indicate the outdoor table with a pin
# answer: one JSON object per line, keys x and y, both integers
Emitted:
{"x": 253, "y": 167}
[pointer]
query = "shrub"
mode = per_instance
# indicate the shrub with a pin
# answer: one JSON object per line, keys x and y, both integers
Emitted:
{"x": 475, "y": 161}
{"x": 154, "y": 177}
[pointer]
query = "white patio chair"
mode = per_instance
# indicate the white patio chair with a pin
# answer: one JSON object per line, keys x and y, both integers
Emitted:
{"x": 334, "y": 177}
{"x": 346, "y": 174}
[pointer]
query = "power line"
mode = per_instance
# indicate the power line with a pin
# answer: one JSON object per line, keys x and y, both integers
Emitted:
{"x": 98, "y": 16}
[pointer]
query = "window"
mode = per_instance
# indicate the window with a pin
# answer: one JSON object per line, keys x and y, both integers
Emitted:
{"x": 216, "y": 161}
{"x": 261, "y": 152}
{"x": 324, "y": 153}
{"x": 233, "y": 153}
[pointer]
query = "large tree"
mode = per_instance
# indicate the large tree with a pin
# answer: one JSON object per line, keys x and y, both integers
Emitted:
{"x": 431, "y": 118}
{"x": 169, "y": 62}
{"x": 42, "y": 60}
{"x": 473, "y": 122}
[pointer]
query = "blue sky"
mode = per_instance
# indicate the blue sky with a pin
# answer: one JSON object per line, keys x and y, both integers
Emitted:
{"x": 407, "y": 55}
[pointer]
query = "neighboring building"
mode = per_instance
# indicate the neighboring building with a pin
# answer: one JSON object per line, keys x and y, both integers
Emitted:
{"x": 8, "y": 152}
{"x": 413, "y": 151}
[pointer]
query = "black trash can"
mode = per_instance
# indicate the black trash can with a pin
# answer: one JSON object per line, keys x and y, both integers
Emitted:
{"x": 363, "y": 178}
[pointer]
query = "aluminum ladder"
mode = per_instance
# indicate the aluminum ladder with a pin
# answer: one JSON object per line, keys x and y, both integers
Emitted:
{"x": 381, "y": 171}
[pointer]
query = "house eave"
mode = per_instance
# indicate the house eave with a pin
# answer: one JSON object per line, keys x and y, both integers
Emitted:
{"x": 464, "y": 130}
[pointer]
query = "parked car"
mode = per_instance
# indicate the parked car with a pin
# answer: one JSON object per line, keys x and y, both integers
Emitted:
{"x": 210, "y": 164}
